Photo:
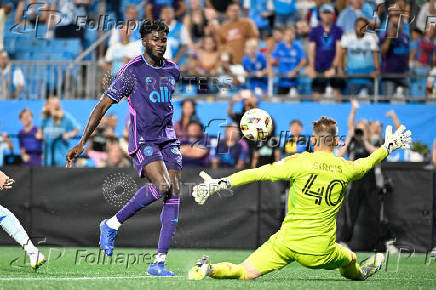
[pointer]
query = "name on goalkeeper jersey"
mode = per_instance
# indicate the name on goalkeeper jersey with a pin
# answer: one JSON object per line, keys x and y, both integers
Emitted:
{"x": 327, "y": 167}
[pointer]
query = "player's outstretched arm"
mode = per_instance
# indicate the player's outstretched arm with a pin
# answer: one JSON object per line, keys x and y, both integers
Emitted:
{"x": 5, "y": 181}
{"x": 283, "y": 169}
{"x": 97, "y": 113}
{"x": 397, "y": 140}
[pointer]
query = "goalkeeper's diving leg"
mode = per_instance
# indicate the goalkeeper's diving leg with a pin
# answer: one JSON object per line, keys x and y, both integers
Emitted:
{"x": 203, "y": 268}
{"x": 12, "y": 226}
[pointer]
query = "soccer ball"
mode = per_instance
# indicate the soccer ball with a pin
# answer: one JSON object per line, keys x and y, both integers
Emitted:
{"x": 256, "y": 124}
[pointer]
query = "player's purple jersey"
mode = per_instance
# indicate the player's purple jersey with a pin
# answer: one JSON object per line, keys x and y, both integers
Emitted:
{"x": 149, "y": 90}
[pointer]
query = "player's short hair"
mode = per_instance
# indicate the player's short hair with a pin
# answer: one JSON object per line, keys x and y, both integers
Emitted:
{"x": 325, "y": 127}
{"x": 24, "y": 111}
{"x": 149, "y": 25}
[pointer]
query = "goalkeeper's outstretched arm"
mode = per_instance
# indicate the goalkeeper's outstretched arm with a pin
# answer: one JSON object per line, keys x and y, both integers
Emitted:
{"x": 282, "y": 169}
{"x": 392, "y": 142}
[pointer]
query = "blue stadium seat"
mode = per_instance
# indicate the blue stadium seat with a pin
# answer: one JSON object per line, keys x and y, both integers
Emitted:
{"x": 418, "y": 85}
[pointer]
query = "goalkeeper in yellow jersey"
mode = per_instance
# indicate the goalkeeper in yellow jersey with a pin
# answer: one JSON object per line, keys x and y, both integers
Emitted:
{"x": 308, "y": 233}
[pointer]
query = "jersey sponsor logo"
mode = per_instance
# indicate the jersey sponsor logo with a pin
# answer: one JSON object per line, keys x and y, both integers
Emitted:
{"x": 175, "y": 150}
{"x": 1, "y": 218}
{"x": 164, "y": 95}
{"x": 148, "y": 151}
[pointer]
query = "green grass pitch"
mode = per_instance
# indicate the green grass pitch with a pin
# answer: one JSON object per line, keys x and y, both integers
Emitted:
{"x": 83, "y": 268}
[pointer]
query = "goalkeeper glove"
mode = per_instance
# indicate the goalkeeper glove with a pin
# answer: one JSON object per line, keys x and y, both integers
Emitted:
{"x": 202, "y": 191}
{"x": 397, "y": 140}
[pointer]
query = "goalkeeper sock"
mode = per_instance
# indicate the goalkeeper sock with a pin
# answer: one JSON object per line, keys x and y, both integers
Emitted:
{"x": 229, "y": 271}
{"x": 169, "y": 219}
{"x": 143, "y": 197}
{"x": 12, "y": 226}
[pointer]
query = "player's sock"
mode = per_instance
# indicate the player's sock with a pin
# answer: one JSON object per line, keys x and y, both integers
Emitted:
{"x": 113, "y": 223}
{"x": 143, "y": 197}
{"x": 228, "y": 271}
{"x": 160, "y": 258}
{"x": 169, "y": 219}
{"x": 12, "y": 226}
{"x": 352, "y": 270}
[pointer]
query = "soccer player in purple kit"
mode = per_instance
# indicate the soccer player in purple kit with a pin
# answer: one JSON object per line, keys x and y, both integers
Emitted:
{"x": 148, "y": 81}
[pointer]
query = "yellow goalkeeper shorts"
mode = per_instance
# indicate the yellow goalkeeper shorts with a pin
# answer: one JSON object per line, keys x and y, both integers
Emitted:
{"x": 273, "y": 255}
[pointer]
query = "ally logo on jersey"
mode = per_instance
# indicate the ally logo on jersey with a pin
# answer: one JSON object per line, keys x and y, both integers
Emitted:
{"x": 164, "y": 93}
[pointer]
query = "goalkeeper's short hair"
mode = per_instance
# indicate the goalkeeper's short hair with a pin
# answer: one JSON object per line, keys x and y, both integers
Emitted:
{"x": 325, "y": 129}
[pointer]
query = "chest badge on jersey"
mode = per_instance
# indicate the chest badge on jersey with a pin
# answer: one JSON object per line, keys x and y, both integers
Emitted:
{"x": 148, "y": 151}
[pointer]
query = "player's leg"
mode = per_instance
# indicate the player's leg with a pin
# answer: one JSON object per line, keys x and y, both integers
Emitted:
{"x": 169, "y": 219}
{"x": 346, "y": 261}
{"x": 13, "y": 227}
{"x": 151, "y": 158}
{"x": 269, "y": 257}
{"x": 170, "y": 209}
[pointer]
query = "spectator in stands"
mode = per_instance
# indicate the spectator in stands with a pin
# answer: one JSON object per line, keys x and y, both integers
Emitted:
{"x": 96, "y": 149}
{"x": 357, "y": 9}
{"x": 124, "y": 140}
{"x": 313, "y": 16}
{"x": 302, "y": 30}
{"x": 266, "y": 151}
{"x": 71, "y": 11}
{"x": 394, "y": 48}
{"x": 6, "y": 147}
{"x": 153, "y": 8}
{"x": 260, "y": 12}
{"x": 178, "y": 38}
{"x": 194, "y": 147}
{"x": 285, "y": 13}
{"x": 360, "y": 50}
{"x": 58, "y": 127}
{"x": 195, "y": 21}
{"x": 220, "y": 6}
{"x": 231, "y": 151}
{"x": 189, "y": 115}
{"x": 111, "y": 126}
{"x": 123, "y": 51}
{"x": 207, "y": 57}
{"x": 29, "y": 12}
{"x": 30, "y": 140}
{"x": 271, "y": 43}
{"x": 290, "y": 59}
{"x": 250, "y": 102}
{"x": 255, "y": 67}
{"x": 425, "y": 15}
{"x": 132, "y": 22}
{"x": 234, "y": 33}
{"x": 357, "y": 145}
{"x": 423, "y": 54}
{"x": 297, "y": 143}
{"x": 325, "y": 54}
{"x": 116, "y": 158}
{"x": 11, "y": 79}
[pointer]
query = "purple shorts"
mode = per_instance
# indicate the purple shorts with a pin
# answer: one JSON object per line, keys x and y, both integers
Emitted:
{"x": 168, "y": 152}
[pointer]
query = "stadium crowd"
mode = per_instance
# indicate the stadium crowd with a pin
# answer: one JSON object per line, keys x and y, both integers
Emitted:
{"x": 327, "y": 49}
{"x": 343, "y": 46}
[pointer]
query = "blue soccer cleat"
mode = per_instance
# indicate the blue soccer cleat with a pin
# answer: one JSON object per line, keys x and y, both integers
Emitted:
{"x": 107, "y": 237}
{"x": 158, "y": 269}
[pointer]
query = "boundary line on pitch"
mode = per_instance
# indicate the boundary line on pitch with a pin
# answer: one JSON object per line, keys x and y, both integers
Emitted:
{"x": 84, "y": 278}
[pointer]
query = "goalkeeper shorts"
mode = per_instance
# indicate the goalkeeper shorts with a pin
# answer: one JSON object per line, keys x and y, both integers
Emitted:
{"x": 273, "y": 255}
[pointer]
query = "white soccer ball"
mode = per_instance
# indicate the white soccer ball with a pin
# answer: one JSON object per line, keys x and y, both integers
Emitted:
{"x": 256, "y": 124}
